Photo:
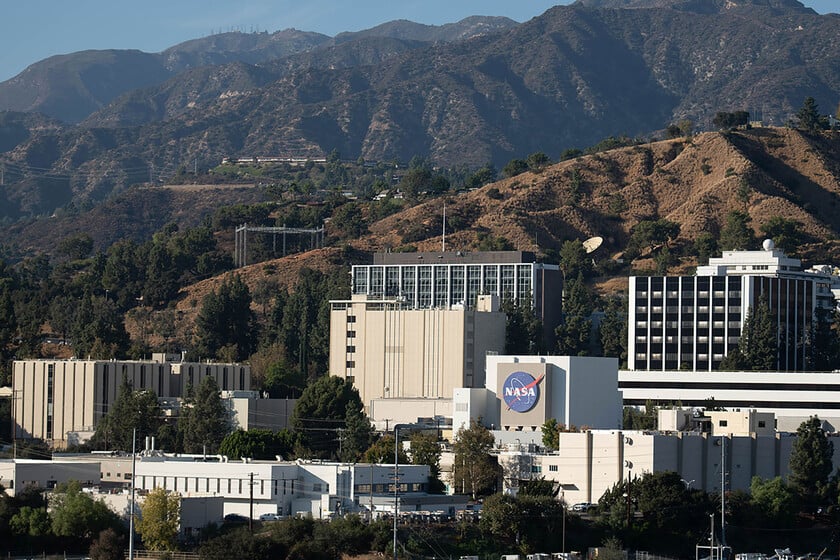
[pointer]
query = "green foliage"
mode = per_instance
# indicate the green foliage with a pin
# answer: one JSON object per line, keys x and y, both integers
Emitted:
{"x": 78, "y": 246}
{"x": 76, "y": 516}
{"x": 326, "y": 407}
{"x": 257, "y": 444}
{"x": 757, "y": 348}
{"x": 808, "y": 116}
{"x": 727, "y": 121}
{"x": 775, "y": 500}
{"x": 574, "y": 260}
{"x": 550, "y": 434}
{"x": 226, "y": 319}
{"x": 613, "y": 329}
{"x": 811, "y": 460}
{"x": 611, "y": 143}
{"x": 532, "y": 522}
{"x": 30, "y": 522}
{"x": 381, "y": 451}
{"x": 736, "y": 235}
{"x": 705, "y": 246}
{"x": 131, "y": 410}
{"x": 651, "y": 234}
{"x": 634, "y": 419}
{"x": 204, "y": 421}
{"x": 425, "y": 450}
{"x": 787, "y": 234}
{"x": 523, "y": 329}
{"x": 160, "y": 520}
{"x": 475, "y": 469}
{"x": 574, "y": 334}
{"x": 514, "y": 167}
{"x": 538, "y": 161}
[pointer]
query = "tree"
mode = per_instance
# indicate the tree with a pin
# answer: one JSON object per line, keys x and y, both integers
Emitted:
{"x": 30, "y": 522}
{"x": 514, "y": 167}
{"x": 810, "y": 460}
{"x": 476, "y": 470}
{"x": 77, "y": 517}
{"x": 532, "y": 522}
{"x": 226, "y": 319}
{"x": 381, "y": 451}
{"x": 705, "y": 245}
{"x": 538, "y": 161}
{"x": 257, "y": 444}
{"x": 757, "y": 347}
{"x": 204, "y": 421}
{"x": 160, "y": 520}
{"x": 523, "y": 329}
{"x": 613, "y": 329}
{"x": 774, "y": 500}
{"x": 131, "y": 410}
{"x": 786, "y": 234}
{"x": 574, "y": 259}
{"x": 550, "y": 434}
{"x": 109, "y": 546}
{"x": 356, "y": 435}
{"x": 76, "y": 247}
{"x": 574, "y": 334}
{"x": 808, "y": 116}
{"x": 321, "y": 411}
{"x": 736, "y": 235}
{"x": 425, "y": 450}
{"x": 651, "y": 234}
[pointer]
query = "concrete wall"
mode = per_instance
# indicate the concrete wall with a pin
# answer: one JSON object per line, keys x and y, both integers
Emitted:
{"x": 588, "y": 464}
{"x": 389, "y": 352}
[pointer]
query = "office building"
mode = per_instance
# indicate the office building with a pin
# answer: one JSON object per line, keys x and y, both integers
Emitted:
{"x": 390, "y": 351}
{"x": 419, "y": 325}
{"x": 693, "y": 322}
{"x": 63, "y": 401}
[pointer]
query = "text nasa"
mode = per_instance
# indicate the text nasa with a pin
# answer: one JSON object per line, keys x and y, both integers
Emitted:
{"x": 520, "y": 392}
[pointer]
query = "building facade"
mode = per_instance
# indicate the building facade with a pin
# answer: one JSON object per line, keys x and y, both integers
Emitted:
{"x": 63, "y": 401}
{"x": 693, "y": 322}
{"x": 388, "y": 351}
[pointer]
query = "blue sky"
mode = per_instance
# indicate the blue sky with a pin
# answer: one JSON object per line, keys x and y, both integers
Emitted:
{"x": 31, "y": 30}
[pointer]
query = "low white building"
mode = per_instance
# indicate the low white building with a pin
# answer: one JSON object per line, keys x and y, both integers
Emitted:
{"x": 587, "y": 464}
{"x": 522, "y": 392}
{"x": 791, "y": 397}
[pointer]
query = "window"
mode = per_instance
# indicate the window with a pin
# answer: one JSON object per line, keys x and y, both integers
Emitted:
{"x": 723, "y": 423}
{"x": 351, "y": 363}
{"x": 351, "y": 334}
{"x": 762, "y": 424}
{"x": 351, "y": 349}
{"x": 351, "y": 318}
{"x": 316, "y": 487}
{"x": 552, "y": 468}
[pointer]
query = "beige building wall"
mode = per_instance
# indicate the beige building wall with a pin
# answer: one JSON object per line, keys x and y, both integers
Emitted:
{"x": 390, "y": 352}
{"x": 588, "y": 464}
{"x": 54, "y": 398}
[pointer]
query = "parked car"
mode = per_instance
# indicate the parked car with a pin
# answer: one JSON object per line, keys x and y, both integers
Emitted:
{"x": 583, "y": 507}
{"x": 269, "y": 517}
{"x": 235, "y": 518}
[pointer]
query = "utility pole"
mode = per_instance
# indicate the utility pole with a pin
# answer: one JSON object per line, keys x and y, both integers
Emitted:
{"x": 251, "y": 503}
{"x": 131, "y": 510}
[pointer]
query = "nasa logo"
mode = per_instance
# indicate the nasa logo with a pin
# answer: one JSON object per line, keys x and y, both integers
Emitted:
{"x": 521, "y": 391}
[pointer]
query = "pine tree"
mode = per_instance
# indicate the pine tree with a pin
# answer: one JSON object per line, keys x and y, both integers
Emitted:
{"x": 811, "y": 460}
{"x": 204, "y": 421}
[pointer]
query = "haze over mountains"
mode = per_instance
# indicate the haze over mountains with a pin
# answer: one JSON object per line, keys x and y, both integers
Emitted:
{"x": 482, "y": 90}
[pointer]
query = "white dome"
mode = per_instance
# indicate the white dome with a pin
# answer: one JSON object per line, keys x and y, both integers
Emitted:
{"x": 768, "y": 245}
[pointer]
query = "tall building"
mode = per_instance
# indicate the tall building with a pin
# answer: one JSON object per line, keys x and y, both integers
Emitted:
{"x": 419, "y": 325}
{"x": 447, "y": 280}
{"x": 693, "y": 322}
{"x": 63, "y": 401}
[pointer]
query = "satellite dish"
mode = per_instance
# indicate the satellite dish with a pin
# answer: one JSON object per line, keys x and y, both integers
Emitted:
{"x": 592, "y": 243}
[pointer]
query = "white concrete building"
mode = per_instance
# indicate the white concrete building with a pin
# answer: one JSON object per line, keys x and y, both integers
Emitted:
{"x": 693, "y": 322}
{"x": 588, "y": 464}
{"x": 522, "y": 392}
{"x": 792, "y": 398}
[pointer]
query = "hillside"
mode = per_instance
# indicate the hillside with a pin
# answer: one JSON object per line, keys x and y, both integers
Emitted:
{"x": 692, "y": 182}
{"x": 568, "y": 78}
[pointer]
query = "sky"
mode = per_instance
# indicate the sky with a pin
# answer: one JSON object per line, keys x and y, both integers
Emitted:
{"x": 31, "y": 30}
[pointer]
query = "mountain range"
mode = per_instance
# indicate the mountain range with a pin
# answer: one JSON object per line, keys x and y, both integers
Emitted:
{"x": 482, "y": 90}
